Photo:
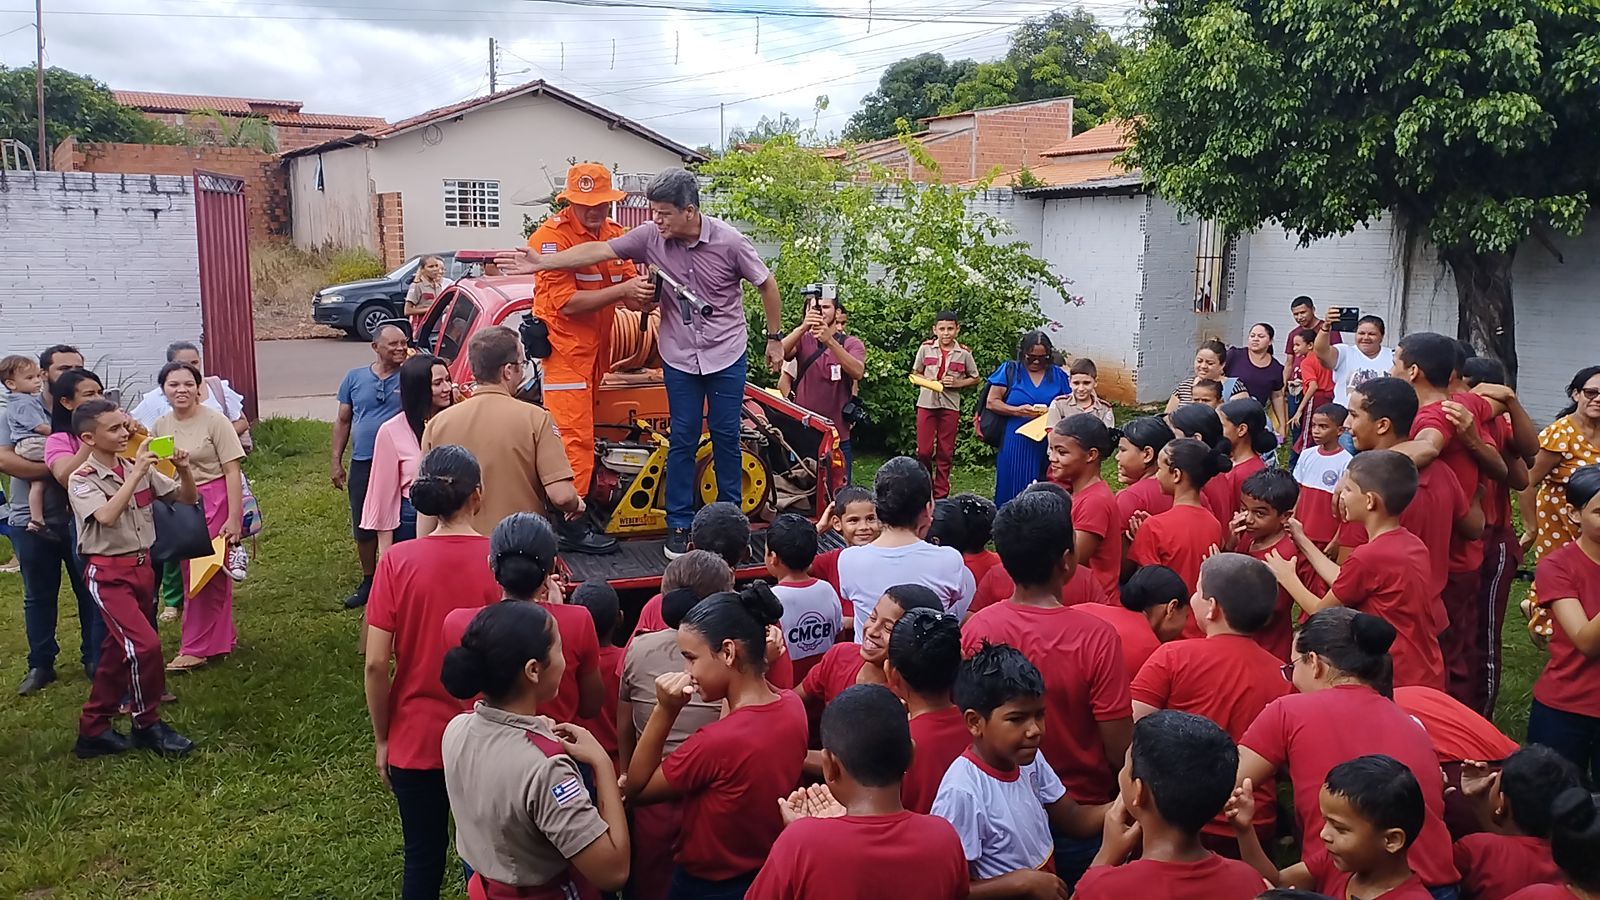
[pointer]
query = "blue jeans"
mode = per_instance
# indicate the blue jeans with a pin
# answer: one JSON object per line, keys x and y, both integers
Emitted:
{"x": 714, "y": 400}
{"x": 687, "y": 887}
{"x": 408, "y": 522}
{"x": 41, "y": 560}
{"x": 1446, "y": 892}
{"x": 1073, "y": 856}
{"x": 849, "y": 460}
{"x": 425, "y": 829}
{"x": 1575, "y": 736}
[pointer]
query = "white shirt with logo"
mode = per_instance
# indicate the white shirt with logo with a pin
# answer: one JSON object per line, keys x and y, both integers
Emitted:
{"x": 1000, "y": 816}
{"x": 812, "y": 617}
{"x": 1321, "y": 471}
{"x": 1353, "y": 369}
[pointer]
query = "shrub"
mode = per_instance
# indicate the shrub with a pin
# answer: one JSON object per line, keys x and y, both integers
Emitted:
{"x": 354, "y": 264}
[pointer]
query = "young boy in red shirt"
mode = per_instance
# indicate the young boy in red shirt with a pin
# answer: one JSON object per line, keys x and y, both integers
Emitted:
{"x": 1178, "y": 777}
{"x": 854, "y": 517}
{"x": 1228, "y": 677}
{"x": 1265, "y": 500}
{"x": 1086, "y": 684}
{"x": 1317, "y": 470}
{"x": 866, "y": 748}
{"x": 1387, "y": 576}
{"x": 600, "y": 599}
{"x": 1001, "y": 794}
{"x": 1374, "y": 812}
{"x": 1513, "y": 807}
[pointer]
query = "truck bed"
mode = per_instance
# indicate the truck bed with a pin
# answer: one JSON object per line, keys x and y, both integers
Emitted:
{"x": 641, "y": 560}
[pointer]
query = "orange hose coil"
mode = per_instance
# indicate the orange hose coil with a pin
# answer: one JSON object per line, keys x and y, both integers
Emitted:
{"x": 631, "y": 348}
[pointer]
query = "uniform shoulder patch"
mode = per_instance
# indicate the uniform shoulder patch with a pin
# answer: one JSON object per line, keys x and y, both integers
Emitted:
{"x": 568, "y": 792}
{"x": 83, "y": 489}
{"x": 548, "y": 247}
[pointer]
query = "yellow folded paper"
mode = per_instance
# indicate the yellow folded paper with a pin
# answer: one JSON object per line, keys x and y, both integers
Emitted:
{"x": 1034, "y": 429}
{"x": 203, "y": 569}
{"x": 774, "y": 392}
{"x": 928, "y": 383}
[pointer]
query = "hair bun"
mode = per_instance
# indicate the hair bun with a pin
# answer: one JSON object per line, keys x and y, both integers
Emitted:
{"x": 1373, "y": 634}
{"x": 1222, "y": 460}
{"x": 462, "y": 672}
{"x": 758, "y": 599}
{"x": 1574, "y": 810}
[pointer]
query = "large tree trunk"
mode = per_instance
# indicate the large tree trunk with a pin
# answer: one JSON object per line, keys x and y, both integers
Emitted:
{"x": 1486, "y": 315}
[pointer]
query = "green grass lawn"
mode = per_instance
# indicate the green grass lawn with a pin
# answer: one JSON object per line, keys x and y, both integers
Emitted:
{"x": 281, "y": 799}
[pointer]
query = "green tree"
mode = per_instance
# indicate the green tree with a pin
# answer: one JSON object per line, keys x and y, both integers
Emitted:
{"x": 764, "y": 130}
{"x": 209, "y": 128}
{"x": 1475, "y": 123}
{"x": 74, "y": 105}
{"x": 900, "y": 251}
{"x": 911, "y": 89}
{"x": 1066, "y": 53}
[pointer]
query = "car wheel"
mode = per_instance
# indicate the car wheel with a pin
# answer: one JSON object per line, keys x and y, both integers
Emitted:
{"x": 368, "y": 318}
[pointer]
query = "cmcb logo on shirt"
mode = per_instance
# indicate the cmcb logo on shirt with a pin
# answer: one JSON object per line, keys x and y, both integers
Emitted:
{"x": 811, "y": 633}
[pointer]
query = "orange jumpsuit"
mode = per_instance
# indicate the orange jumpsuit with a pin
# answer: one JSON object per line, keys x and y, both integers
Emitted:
{"x": 580, "y": 345}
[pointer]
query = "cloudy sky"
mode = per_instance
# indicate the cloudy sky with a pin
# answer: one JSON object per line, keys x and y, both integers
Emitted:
{"x": 667, "y": 67}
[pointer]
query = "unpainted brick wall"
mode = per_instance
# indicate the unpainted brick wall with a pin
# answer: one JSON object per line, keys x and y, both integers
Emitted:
{"x": 391, "y": 229}
{"x": 106, "y": 263}
{"x": 266, "y": 182}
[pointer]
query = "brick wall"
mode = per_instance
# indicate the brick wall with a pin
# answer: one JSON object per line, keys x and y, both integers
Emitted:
{"x": 104, "y": 262}
{"x": 266, "y": 182}
{"x": 391, "y": 230}
{"x": 1013, "y": 137}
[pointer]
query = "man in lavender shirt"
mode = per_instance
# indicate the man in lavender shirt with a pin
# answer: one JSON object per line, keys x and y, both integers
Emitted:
{"x": 703, "y": 344}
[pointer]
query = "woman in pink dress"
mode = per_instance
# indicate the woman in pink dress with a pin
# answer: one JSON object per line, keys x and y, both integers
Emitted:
{"x": 214, "y": 454}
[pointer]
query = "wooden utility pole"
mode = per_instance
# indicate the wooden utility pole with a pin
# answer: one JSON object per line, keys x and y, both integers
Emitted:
{"x": 494, "y": 76}
{"x": 38, "y": 80}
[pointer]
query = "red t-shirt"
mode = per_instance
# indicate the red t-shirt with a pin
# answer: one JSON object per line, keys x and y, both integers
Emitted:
{"x": 826, "y": 567}
{"x": 1237, "y": 475}
{"x": 1495, "y": 866}
{"x": 417, "y": 585}
{"x": 1309, "y": 734}
{"x": 1569, "y": 678}
{"x": 581, "y": 649}
{"x": 1388, "y": 577}
{"x": 1144, "y": 495}
{"x": 649, "y": 618}
{"x": 1431, "y": 516}
{"x": 1213, "y": 878}
{"x": 1334, "y": 883}
{"x": 836, "y": 671}
{"x": 731, "y": 773}
{"x": 937, "y": 738}
{"x": 1085, "y": 684}
{"x": 1496, "y": 496}
{"x": 1277, "y": 636}
{"x": 1227, "y": 678}
{"x": 1315, "y": 509}
{"x": 1457, "y": 732}
{"x": 979, "y": 563}
{"x": 1544, "y": 892}
{"x": 1221, "y": 500}
{"x": 859, "y": 857}
{"x": 997, "y": 586}
{"x": 1465, "y": 555}
{"x": 1133, "y": 630}
{"x": 1179, "y": 539}
{"x": 1095, "y": 511}
{"x": 604, "y": 726}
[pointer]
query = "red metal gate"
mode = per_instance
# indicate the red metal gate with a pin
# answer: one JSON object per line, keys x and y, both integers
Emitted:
{"x": 228, "y": 328}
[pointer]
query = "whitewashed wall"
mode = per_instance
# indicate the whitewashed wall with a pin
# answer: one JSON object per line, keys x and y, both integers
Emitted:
{"x": 343, "y": 213}
{"x": 106, "y": 263}
{"x": 1098, "y": 243}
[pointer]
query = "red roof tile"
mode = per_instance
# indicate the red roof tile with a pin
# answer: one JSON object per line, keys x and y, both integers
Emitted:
{"x": 1065, "y": 173}
{"x": 1106, "y": 137}
{"x": 279, "y": 112}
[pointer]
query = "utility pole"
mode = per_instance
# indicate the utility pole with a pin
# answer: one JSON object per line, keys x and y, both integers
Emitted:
{"x": 494, "y": 76}
{"x": 38, "y": 80}
{"x": 722, "y": 126}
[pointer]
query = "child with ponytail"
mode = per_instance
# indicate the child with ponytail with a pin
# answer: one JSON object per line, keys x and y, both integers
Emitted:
{"x": 1204, "y": 424}
{"x": 1078, "y": 445}
{"x": 1183, "y": 536}
{"x": 1244, "y": 426}
{"x": 730, "y": 773}
{"x": 1575, "y": 843}
{"x": 524, "y": 821}
{"x": 924, "y": 654}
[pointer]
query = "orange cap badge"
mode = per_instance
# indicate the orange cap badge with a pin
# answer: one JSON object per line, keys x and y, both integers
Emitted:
{"x": 589, "y": 184}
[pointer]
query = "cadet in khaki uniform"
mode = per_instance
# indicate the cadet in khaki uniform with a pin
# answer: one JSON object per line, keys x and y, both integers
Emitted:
{"x": 524, "y": 820}
{"x": 111, "y": 501}
{"x": 944, "y": 360}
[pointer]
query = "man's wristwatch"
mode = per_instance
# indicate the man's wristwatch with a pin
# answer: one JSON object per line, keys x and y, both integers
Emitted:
{"x": 774, "y": 336}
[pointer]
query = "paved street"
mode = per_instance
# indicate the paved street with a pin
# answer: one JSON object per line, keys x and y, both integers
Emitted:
{"x": 298, "y": 379}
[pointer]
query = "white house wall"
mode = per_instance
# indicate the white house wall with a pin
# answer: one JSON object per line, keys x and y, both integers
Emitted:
{"x": 1558, "y": 329}
{"x": 524, "y": 143}
{"x": 343, "y": 212}
{"x": 1169, "y": 328}
{"x": 1097, "y": 243}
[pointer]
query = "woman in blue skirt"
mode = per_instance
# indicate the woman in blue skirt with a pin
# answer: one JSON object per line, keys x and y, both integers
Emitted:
{"x": 1021, "y": 390}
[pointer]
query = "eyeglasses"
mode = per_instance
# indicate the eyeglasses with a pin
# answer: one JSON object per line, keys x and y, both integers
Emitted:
{"x": 1036, "y": 358}
{"x": 1288, "y": 668}
{"x": 1590, "y": 393}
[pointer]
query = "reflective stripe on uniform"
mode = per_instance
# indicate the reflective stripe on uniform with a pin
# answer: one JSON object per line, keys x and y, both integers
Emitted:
{"x": 584, "y": 276}
{"x": 569, "y": 386}
{"x": 616, "y": 279}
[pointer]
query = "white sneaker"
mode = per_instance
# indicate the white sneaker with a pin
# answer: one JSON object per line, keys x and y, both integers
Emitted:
{"x": 238, "y": 563}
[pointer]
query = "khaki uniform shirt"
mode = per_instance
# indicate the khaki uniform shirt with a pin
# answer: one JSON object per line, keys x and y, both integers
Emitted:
{"x": 516, "y": 447}
{"x": 933, "y": 363}
{"x": 92, "y": 485}
{"x": 521, "y": 809}
{"x": 1062, "y": 407}
{"x": 650, "y": 655}
{"x": 207, "y": 436}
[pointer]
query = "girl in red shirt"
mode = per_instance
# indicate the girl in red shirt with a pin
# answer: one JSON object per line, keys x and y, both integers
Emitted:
{"x": 1183, "y": 536}
{"x": 1244, "y": 425}
{"x": 965, "y": 522}
{"x": 1138, "y": 449}
{"x": 417, "y": 584}
{"x": 1078, "y": 445}
{"x": 924, "y": 654}
{"x": 1204, "y": 424}
{"x": 731, "y": 772}
{"x": 1575, "y": 843}
{"x": 1566, "y": 708}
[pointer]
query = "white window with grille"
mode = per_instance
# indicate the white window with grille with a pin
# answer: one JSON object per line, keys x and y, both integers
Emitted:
{"x": 471, "y": 204}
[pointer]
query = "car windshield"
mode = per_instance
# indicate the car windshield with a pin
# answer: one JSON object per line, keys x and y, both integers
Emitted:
{"x": 406, "y": 269}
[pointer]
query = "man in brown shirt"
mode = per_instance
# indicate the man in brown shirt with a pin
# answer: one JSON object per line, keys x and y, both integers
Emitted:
{"x": 525, "y": 468}
{"x": 111, "y": 500}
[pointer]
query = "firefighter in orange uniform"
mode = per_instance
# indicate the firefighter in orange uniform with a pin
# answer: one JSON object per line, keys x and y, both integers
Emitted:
{"x": 578, "y": 307}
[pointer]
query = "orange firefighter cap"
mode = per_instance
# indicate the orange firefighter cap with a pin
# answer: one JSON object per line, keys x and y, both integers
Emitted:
{"x": 589, "y": 184}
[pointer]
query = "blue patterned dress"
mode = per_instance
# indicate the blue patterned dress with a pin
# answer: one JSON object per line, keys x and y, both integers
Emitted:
{"x": 1022, "y": 461}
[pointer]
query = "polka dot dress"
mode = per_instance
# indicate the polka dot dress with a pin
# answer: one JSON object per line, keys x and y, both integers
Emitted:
{"x": 1555, "y": 528}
